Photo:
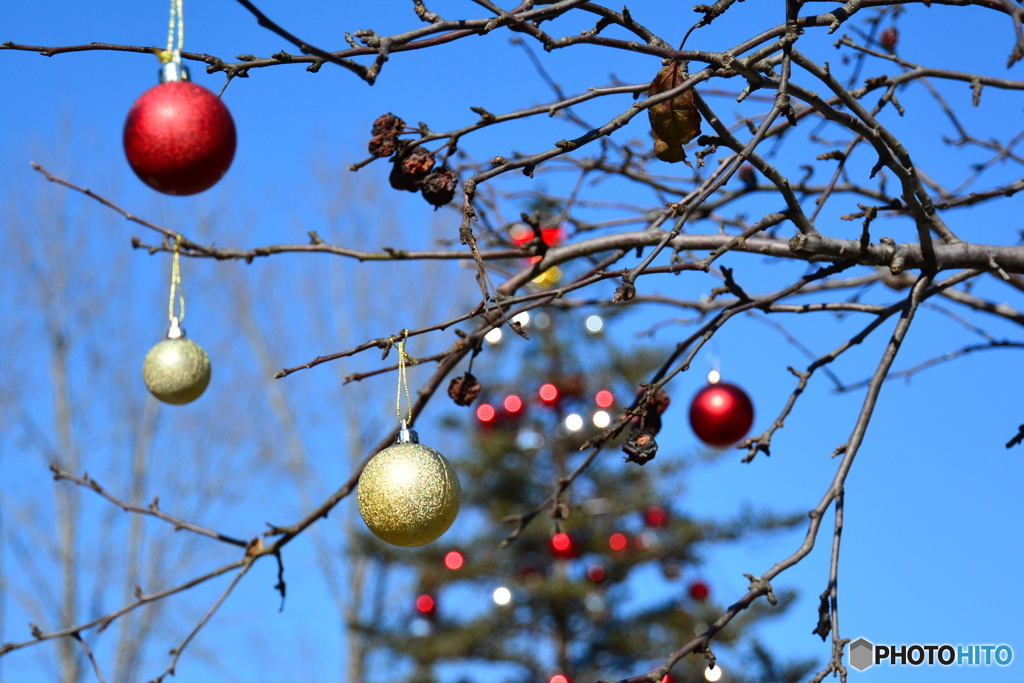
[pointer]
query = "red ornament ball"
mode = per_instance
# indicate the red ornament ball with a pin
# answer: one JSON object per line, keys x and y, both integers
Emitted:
{"x": 699, "y": 591}
{"x": 179, "y": 138}
{"x": 553, "y": 235}
{"x": 426, "y": 605}
{"x": 721, "y": 414}
{"x": 486, "y": 413}
{"x": 563, "y": 546}
{"x": 548, "y": 393}
{"x": 889, "y": 38}
{"x": 454, "y": 560}
{"x": 656, "y": 517}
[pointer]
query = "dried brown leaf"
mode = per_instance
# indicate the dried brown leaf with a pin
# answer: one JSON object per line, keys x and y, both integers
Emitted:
{"x": 675, "y": 121}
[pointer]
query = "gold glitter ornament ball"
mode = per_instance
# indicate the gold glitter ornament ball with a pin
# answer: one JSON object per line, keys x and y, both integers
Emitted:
{"x": 177, "y": 370}
{"x": 409, "y": 494}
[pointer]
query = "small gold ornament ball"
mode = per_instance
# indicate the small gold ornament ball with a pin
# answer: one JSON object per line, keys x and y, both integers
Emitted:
{"x": 409, "y": 494}
{"x": 176, "y": 371}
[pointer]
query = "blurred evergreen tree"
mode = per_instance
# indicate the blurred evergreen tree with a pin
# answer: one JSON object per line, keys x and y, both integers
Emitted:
{"x": 603, "y": 583}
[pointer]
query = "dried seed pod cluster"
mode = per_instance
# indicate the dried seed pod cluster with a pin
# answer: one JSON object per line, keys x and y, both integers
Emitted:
{"x": 412, "y": 167}
{"x": 386, "y": 130}
{"x": 439, "y": 187}
{"x": 640, "y": 447}
{"x": 464, "y": 389}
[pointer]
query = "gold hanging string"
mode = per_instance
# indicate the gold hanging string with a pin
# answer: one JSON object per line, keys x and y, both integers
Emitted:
{"x": 403, "y": 380}
{"x": 177, "y": 22}
{"x": 176, "y": 285}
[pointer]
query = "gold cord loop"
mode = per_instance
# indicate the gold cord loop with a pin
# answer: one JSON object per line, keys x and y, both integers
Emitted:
{"x": 403, "y": 381}
{"x": 177, "y": 22}
{"x": 176, "y": 285}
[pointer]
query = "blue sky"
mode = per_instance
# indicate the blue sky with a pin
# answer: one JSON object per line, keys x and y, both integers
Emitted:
{"x": 932, "y": 542}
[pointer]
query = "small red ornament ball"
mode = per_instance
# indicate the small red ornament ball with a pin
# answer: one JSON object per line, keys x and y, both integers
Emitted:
{"x": 179, "y": 138}
{"x": 656, "y": 517}
{"x": 426, "y": 605}
{"x": 563, "y": 546}
{"x": 721, "y": 414}
{"x": 699, "y": 591}
{"x": 889, "y": 38}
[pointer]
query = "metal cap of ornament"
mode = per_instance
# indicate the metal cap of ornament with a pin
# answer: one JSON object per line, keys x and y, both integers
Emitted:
{"x": 409, "y": 494}
{"x": 176, "y": 370}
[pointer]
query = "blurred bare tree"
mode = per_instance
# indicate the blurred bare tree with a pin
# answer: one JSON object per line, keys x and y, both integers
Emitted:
{"x": 623, "y": 219}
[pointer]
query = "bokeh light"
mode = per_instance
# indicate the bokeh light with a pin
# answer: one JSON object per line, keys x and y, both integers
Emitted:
{"x": 453, "y": 560}
{"x": 485, "y": 412}
{"x": 502, "y": 595}
{"x": 548, "y": 393}
{"x": 425, "y": 604}
{"x": 602, "y": 419}
{"x": 573, "y": 422}
{"x": 656, "y": 517}
{"x": 604, "y": 399}
{"x": 699, "y": 590}
{"x": 561, "y": 542}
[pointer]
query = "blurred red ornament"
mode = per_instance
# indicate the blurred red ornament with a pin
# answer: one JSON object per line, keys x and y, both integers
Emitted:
{"x": 559, "y": 678}
{"x": 656, "y": 517}
{"x": 596, "y": 573}
{"x": 604, "y": 399}
{"x": 520, "y": 234}
{"x": 548, "y": 393}
{"x": 572, "y": 386}
{"x": 889, "y": 38}
{"x": 513, "y": 404}
{"x": 486, "y": 412}
{"x": 721, "y": 414}
{"x": 426, "y": 605}
{"x": 552, "y": 235}
{"x": 747, "y": 175}
{"x": 617, "y": 542}
{"x": 699, "y": 590}
{"x": 428, "y": 577}
{"x": 528, "y": 574}
{"x": 179, "y": 138}
{"x": 453, "y": 560}
{"x": 563, "y": 546}
{"x": 667, "y": 678}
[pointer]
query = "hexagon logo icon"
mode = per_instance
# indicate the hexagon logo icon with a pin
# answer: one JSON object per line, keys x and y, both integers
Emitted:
{"x": 862, "y": 654}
